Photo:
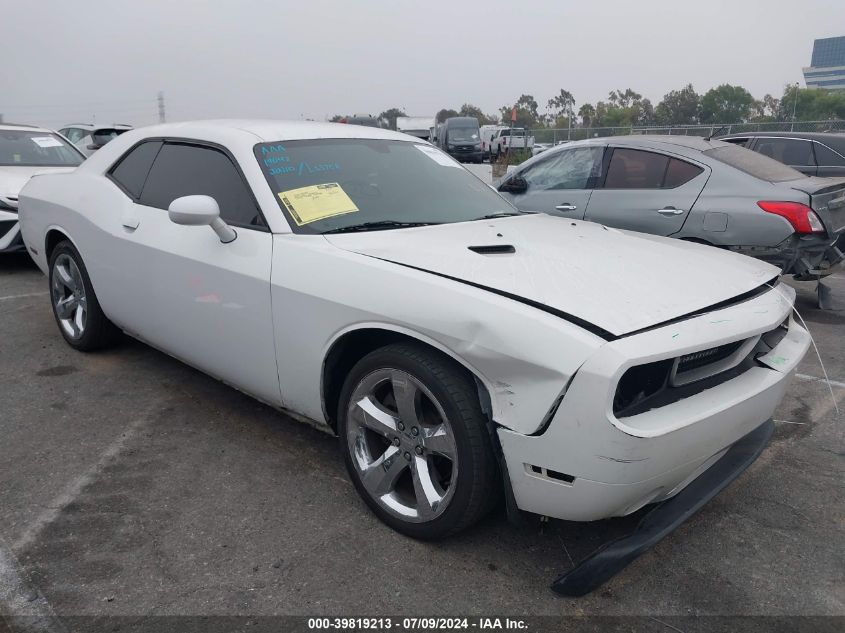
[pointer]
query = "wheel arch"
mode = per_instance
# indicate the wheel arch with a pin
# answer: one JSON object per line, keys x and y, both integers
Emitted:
{"x": 351, "y": 345}
{"x": 52, "y": 238}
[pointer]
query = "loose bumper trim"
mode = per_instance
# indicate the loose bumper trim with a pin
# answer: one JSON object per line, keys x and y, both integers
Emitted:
{"x": 664, "y": 517}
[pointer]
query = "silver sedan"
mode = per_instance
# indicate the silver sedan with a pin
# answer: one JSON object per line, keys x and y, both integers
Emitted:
{"x": 694, "y": 189}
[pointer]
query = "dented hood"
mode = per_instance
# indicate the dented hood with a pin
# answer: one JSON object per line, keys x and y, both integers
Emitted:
{"x": 618, "y": 281}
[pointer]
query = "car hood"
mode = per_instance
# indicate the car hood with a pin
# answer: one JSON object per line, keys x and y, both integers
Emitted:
{"x": 12, "y": 179}
{"x": 618, "y": 281}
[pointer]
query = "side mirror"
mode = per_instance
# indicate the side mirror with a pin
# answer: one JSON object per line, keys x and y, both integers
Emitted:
{"x": 93, "y": 147}
{"x": 515, "y": 184}
{"x": 200, "y": 211}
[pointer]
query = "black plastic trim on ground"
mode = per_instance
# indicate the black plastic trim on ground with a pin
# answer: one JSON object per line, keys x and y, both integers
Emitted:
{"x": 664, "y": 517}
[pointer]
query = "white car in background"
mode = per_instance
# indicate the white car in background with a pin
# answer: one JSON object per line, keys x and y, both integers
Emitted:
{"x": 366, "y": 282}
{"x": 88, "y": 138}
{"x": 27, "y": 150}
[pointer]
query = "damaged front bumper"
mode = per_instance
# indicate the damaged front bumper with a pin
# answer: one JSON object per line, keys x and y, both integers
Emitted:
{"x": 593, "y": 462}
{"x": 664, "y": 517}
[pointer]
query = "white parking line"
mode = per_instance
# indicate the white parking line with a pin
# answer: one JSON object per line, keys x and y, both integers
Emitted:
{"x": 31, "y": 294}
{"x": 19, "y": 600}
{"x": 75, "y": 487}
{"x": 833, "y": 383}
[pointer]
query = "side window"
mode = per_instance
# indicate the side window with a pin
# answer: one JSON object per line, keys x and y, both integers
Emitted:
{"x": 73, "y": 134}
{"x": 185, "y": 170}
{"x": 787, "y": 150}
{"x": 636, "y": 169}
{"x": 679, "y": 173}
{"x": 131, "y": 171}
{"x": 826, "y": 157}
{"x": 577, "y": 168}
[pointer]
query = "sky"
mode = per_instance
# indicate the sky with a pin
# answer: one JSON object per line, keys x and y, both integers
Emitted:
{"x": 107, "y": 60}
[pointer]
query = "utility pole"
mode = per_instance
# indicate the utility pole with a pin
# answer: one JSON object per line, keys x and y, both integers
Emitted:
{"x": 794, "y": 107}
{"x": 161, "y": 116}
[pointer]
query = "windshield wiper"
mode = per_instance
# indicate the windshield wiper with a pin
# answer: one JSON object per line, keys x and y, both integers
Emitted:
{"x": 377, "y": 226}
{"x": 504, "y": 214}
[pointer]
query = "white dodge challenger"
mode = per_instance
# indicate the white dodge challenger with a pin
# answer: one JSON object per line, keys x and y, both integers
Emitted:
{"x": 462, "y": 350}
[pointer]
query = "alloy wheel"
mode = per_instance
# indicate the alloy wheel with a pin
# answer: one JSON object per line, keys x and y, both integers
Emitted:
{"x": 402, "y": 445}
{"x": 68, "y": 295}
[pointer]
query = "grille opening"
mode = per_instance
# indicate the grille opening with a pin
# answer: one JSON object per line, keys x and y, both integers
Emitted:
{"x": 640, "y": 383}
{"x": 646, "y": 387}
{"x": 704, "y": 357}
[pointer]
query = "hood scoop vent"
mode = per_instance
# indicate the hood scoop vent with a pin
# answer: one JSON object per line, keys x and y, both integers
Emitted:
{"x": 493, "y": 249}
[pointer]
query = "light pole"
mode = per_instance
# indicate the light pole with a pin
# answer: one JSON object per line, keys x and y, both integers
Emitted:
{"x": 794, "y": 107}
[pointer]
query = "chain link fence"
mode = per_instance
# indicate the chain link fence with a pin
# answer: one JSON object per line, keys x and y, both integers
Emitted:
{"x": 557, "y": 135}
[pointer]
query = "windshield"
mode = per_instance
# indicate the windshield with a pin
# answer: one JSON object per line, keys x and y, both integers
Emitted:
{"x": 462, "y": 134}
{"x": 329, "y": 184}
{"x": 19, "y": 148}
{"x": 754, "y": 164}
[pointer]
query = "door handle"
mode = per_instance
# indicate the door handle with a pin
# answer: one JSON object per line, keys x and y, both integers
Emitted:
{"x": 566, "y": 207}
{"x": 130, "y": 223}
{"x": 670, "y": 210}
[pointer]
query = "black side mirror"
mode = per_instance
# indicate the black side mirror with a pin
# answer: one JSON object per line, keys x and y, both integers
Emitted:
{"x": 94, "y": 146}
{"x": 515, "y": 184}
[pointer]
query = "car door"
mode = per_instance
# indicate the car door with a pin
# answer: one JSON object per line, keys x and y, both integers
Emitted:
{"x": 560, "y": 183}
{"x": 795, "y": 152}
{"x": 185, "y": 292}
{"x": 646, "y": 191}
{"x": 830, "y": 162}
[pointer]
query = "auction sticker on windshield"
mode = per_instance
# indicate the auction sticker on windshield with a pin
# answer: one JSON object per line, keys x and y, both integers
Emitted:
{"x": 46, "y": 141}
{"x": 317, "y": 202}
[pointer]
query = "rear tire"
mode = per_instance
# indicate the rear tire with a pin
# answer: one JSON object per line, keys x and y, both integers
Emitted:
{"x": 81, "y": 321}
{"x": 416, "y": 442}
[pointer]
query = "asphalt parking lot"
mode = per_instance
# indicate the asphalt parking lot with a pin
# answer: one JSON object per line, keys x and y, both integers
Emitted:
{"x": 133, "y": 484}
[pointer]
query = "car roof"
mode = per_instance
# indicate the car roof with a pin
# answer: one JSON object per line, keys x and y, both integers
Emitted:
{"x": 836, "y": 140}
{"x": 23, "y": 126}
{"x": 104, "y": 126}
{"x": 655, "y": 141}
{"x": 271, "y": 130}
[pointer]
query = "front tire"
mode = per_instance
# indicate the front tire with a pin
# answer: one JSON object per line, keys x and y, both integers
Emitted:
{"x": 78, "y": 314}
{"x": 416, "y": 442}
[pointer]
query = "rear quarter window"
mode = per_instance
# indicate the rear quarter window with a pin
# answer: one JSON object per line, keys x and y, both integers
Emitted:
{"x": 131, "y": 171}
{"x": 826, "y": 157}
{"x": 753, "y": 164}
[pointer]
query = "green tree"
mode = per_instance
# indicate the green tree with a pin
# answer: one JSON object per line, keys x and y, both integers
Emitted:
{"x": 765, "y": 109}
{"x": 527, "y": 115}
{"x": 469, "y": 109}
{"x": 623, "y": 108}
{"x": 726, "y": 104}
{"x": 444, "y": 114}
{"x": 624, "y": 99}
{"x": 811, "y": 104}
{"x": 678, "y": 107}
{"x": 588, "y": 114}
{"x": 390, "y": 116}
{"x": 562, "y": 104}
